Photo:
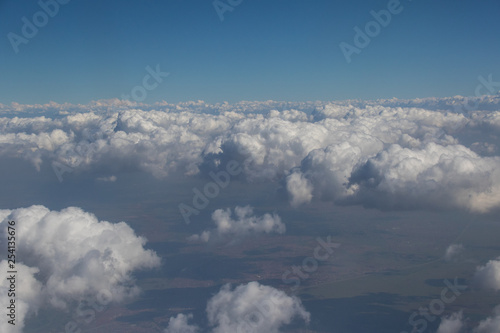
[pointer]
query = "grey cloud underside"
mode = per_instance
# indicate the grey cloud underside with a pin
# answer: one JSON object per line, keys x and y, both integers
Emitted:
{"x": 388, "y": 154}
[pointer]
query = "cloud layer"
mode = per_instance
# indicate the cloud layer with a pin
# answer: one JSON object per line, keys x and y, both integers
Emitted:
{"x": 388, "y": 154}
{"x": 65, "y": 256}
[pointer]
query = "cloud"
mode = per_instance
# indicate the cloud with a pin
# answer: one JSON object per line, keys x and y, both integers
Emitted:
{"x": 180, "y": 324}
{"x": 453, "y": 251}
{"x": 455, "y": 323}
{"x": 387, "y": 154}
{"x": 490, "y": 324}
{"x": 67, "y": 255}
{"x": 488, "y": 276}
{"x": 451, "y": 324}
{"x": 435, "y": 176}
{"x": 253, "y": 306}
{"x": 249, "y": 307}
{"x": 244, "y": 224}
{"x": 111, "y": 179}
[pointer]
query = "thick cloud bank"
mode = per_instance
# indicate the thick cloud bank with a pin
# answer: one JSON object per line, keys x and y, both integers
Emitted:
{"x": 388, "y": 154}
{"x": 63, "y": 257}
{"x": 245, "y": 223}
{"x": 248, "y": 308}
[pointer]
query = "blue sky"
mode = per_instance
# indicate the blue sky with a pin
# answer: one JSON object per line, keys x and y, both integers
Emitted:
{"x": 264, "y": 49}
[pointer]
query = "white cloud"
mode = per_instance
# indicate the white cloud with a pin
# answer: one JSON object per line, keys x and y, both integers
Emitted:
{"x": 244, "y": 224}
{"x": 488, "y": 276}
{"x": 299, "y": 188}
{"x": 453, "y": 251}
{"x": 253, "y": 308}
{"x": 455, "y": 323}
{"x": 402, "y": 154}
{"x": 490, "y": 324}
{"x": 107, "y": 179}
{"x": 180, "y": 324}
{"x": 249, "y": 307}
{"x": 74, "y": 255}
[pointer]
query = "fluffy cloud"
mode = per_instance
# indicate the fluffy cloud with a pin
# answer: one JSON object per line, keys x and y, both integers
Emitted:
{"x": 389, "y": 154}
{"x": 488, "y": 276}
{"x": 453, "y": 251}
{"x": 180, "y": 324}
{"x": 244, "y": 224}
{"x": 451, "y": 176}
{"x": 28, "y": 295}
{"x": 64, "y": 256}
{"x": 248, "y": 308}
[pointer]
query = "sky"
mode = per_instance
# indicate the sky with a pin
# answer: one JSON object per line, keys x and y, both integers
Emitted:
{"x": 261, "y": 50}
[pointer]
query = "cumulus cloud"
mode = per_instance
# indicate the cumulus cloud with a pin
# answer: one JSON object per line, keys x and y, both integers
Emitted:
{"x": 250, "y": 307}
{"x": 388, "y": 154}
{"x": 455, "y": 323}
{"x": 453, "y": 251}
{"x": 299, "y": 188}
{"x": 451, "y": 176}
{"x": 451, "y": 324}
{"x": 490, "y": 324}
{"x": 488, "y": 276}
{"x": 245, "y": 223}
{"x": 67, "y": 255}
{"x": 179, "y": 324}
{"x": 111, "y": 179}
